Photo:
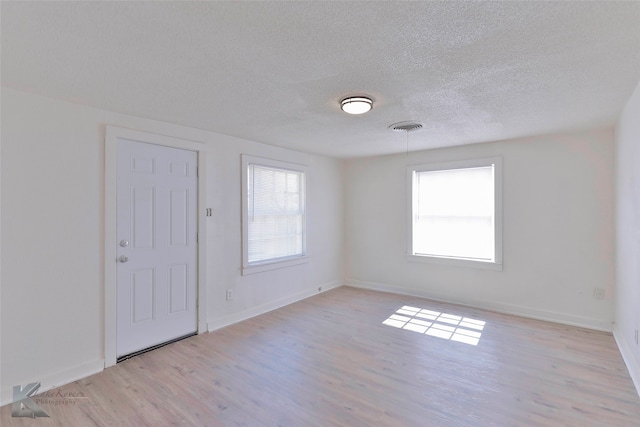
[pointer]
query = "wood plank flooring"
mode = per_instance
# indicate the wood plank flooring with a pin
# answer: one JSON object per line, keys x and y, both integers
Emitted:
{"x": 332, "y": 361}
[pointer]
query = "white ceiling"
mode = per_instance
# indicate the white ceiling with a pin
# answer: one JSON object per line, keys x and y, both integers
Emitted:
{"x": 274, "y": 72}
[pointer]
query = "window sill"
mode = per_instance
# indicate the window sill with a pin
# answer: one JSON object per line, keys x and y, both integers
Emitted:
{"x": 456, "y": 262}
{"x": 273, "y": 265}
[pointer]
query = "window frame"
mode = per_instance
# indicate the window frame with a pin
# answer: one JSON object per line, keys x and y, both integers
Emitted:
{"x": 495, "y": 264}
{"x": 280, "y": 262}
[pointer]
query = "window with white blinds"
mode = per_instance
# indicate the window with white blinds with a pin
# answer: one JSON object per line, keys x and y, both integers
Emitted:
{"x": 273, "y": 214}
{"x": 456, "y": 211}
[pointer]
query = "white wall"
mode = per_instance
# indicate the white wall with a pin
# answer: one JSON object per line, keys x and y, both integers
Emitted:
{"x": 628, "y": 234}
{"x": 257, "y": 293}
{"x": 1, "y": 382}
{"x": 558, "y": 229}
{"x": 52, "y": 236}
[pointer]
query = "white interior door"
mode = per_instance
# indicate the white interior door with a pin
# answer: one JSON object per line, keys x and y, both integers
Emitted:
{"x": 157, "y": 245}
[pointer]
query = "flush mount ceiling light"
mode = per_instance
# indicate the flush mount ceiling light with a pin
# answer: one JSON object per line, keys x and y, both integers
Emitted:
{"x": 356, "y": 105}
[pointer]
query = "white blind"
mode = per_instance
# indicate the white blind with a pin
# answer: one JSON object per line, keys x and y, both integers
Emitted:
{"x": 453, "y": 214}
{"x": 275, "y": 213}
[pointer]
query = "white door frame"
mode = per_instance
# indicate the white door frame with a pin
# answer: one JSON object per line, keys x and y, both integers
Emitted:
{"x": 113, "y": 133}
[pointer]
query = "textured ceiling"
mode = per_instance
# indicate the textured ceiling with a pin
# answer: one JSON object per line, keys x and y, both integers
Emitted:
{"x": 274, "y": 72}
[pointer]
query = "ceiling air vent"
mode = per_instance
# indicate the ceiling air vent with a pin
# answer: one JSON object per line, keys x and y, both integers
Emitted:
{"x": 405, "y": 126}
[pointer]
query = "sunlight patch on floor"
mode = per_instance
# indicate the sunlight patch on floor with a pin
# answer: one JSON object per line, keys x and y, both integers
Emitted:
{"x": 436, "y": 324}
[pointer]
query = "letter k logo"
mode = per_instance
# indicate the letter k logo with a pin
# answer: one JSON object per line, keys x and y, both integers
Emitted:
{"x": 22, "y": 405}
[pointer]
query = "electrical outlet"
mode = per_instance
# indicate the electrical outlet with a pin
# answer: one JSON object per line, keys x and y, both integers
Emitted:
{"x": 229, "y": 294}
{"x": 598, "y": 293}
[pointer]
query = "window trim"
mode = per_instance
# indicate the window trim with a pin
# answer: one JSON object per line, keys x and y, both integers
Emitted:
{"x": 273, "y": 263}
{"x": 497, "y": 263}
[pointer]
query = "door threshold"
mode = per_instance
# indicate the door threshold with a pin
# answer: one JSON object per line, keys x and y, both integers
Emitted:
{"x": 145, "y": 350}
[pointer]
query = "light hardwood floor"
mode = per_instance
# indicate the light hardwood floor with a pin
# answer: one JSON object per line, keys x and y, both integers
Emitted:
{"x": 332, "y": 361}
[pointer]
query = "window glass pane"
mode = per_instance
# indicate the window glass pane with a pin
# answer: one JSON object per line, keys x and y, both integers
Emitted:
{"x": 275, "y": 209}
{"x": 453, "y": 213}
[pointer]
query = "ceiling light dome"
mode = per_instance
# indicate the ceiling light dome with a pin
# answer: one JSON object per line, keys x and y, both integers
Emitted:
{"x": 356, "y": 105}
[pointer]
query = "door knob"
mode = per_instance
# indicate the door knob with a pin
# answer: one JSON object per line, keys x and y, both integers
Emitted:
{"x": 123, "y": 258}
{"x": 124, "y": 243}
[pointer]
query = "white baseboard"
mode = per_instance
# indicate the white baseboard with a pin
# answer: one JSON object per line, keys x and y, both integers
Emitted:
{"x": 56, "y": 379}
{"x": 528, "y": 312}
{"x": 265, "y": 308}
{"x": 629, "y": 360}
